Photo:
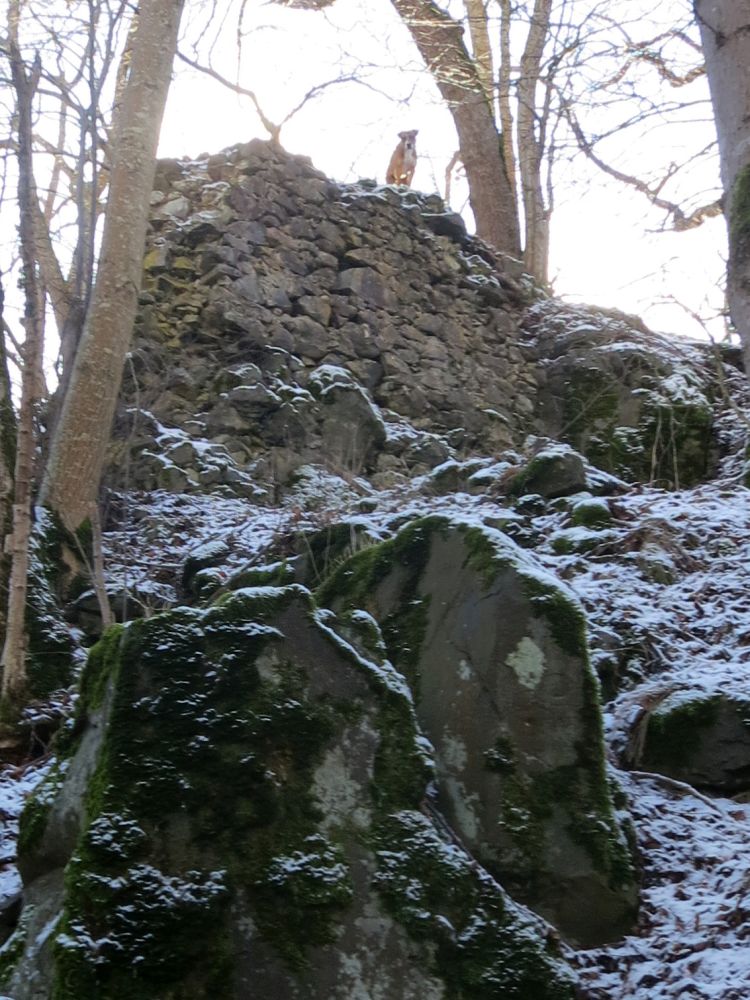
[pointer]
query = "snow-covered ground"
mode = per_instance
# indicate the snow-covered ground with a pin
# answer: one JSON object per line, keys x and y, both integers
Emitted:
{"x": 666, "y": 587}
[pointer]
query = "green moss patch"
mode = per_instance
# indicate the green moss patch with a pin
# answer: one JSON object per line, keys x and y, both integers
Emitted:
{"x": 202, "y": 805}
{"x": 202, "y": 792}
{"x": 739, "y": 221}
{"x": 675, "y": 734}
{"x": 483, "y": 950}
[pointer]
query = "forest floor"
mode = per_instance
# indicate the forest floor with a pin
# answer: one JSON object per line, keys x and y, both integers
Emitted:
{"x": 668, "y": 582}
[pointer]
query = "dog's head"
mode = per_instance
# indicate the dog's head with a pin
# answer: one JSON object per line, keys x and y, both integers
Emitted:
{"x": 409, "y": 139}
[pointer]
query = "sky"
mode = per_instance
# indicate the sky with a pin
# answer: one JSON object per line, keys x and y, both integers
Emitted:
{"x": 607, "y": 245}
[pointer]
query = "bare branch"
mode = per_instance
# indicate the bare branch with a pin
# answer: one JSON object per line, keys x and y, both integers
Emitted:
{"x": 272, "y": 129}
{"x": 680, "y": 220}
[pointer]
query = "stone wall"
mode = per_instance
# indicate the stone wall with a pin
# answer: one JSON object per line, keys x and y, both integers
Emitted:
{"x": 259, "y": 271}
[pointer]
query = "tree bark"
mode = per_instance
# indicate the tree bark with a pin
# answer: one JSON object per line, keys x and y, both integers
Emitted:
{"x": 14, "y": 647}
{"x": 725, "y": 32}
{"x": 476, "y": 15}
{"x": 440, "y": 41}
{"x": 79, "y": 446}
{"x": 8, "y": 432}
{"x": 504, "y": 94}
{"x": 531, "y": 145}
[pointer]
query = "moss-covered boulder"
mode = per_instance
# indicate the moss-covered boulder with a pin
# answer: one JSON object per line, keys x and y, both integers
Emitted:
{"x": 635, "y": 403}
{"x": 495, "y": 652}
{"x": 245, "y": 806}
{"x": 700, "y": 737}
{"x": 555, "y": 471}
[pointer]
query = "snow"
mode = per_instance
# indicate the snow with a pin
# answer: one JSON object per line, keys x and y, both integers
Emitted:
{"x": 687, "y": 631}
{"x": 16, "y": 784}
{"x": 693, "y": 937}
{"x": 665, "y": 586}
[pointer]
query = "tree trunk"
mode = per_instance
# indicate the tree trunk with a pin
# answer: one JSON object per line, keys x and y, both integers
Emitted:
{"x": 531, "y": 144}
{"x": 14, "y": 648}
{"x": 440, "y": 41}
{"x": 725, "y": 32}
{"x": 79, "y": 446}
{"x": 504, "y": 95}
{"x": 8, "y": 433}
{"x": 476, "y": 15}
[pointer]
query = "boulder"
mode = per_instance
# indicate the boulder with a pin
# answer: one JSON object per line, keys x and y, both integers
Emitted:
{"x": 495, "y": 652}
{"x": 634, "y": 403}
{"x": 243, "y": 807}
{"x": 700, "y": 737}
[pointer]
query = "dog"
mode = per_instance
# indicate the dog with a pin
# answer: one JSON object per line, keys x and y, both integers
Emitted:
{"x": 404, "y": 160}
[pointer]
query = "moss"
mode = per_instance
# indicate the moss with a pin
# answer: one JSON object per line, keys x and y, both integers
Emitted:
{"x": 591, "y": 514}
{"x": 100, "y": 661}
{"x": 566, "y": 619}
{"x": 481, "y": 947}
{"x": 501, "y": 757}
{"x": 675, "y": 734}
{"x": 171, "y": 841}
{"x": 324, "y": 550}
{"x": 739, "y": 221}
{"x": 677, "y": 443}
{"x": 35, "y": 814}
{"x": 583, "y": 793}
{"x": 278, "y": 574}
{"x": 297, "y": 895}
{"x": 589, "y": 406}
{"x": 403, "y": 766}
{"x": 670, "y": 444}
{"x": 354, "y": 585}
{"x": 596, "y": 828}
{"x": 50, "y": 660}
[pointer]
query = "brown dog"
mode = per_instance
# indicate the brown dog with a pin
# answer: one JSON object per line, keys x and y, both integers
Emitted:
{"x": 404, "y": 160}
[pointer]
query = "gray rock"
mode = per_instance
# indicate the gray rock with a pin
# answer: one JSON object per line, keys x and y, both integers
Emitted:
{"x": 496, "y": 655}
{"x": 699, "y": 737}
{"x": 318, "y": 865}
{"x": 367, "y": 285}
{"x": 555, "y": 471}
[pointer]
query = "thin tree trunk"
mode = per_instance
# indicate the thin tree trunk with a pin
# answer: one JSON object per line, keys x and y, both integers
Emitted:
{"x": 531, "y": 145}
{"x": 476, "y": 15}
{"x": 8, "y": 433}
{"x": 440, "y": 41}
{"x": 725, "y": 32}
{"x": 79, "y": 447}
{"x": 503, "y": 97}
{"x": 14, "y": 649}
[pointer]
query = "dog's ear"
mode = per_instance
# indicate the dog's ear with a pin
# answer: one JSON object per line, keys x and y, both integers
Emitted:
{"x": 403, "y": 135}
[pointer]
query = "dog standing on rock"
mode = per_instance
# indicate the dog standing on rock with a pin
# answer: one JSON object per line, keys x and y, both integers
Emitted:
{"x": 404, "y": 160}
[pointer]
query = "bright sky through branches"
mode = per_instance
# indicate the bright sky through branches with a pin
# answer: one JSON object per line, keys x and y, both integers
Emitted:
{"x": 607, "y": 247}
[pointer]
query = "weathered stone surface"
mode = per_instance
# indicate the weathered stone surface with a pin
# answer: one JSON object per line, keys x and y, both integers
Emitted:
{"x": 496, "y": 655}
{"x": 273, "y": 258}
{"x": 632, "y": 402}
{"x": 555, "y": 472}
{"x": 700, "y": 737}
{"x": 244, "y": 808}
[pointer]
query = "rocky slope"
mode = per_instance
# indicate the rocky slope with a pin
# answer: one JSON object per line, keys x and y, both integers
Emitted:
{"x": 410, "y": 523}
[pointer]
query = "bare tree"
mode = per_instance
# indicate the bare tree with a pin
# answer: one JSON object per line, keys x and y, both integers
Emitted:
{"x": 77, "y": 455}
{"x": 7, "y": 464}
{"x": 552, "y": 71}
{"x": 14, "y": 650}
{"x": 463, "y": 83}
{"x": 725, "y": 31}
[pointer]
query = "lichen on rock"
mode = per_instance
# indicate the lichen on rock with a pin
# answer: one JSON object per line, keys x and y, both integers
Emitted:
{"x": 495, "y": 652}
